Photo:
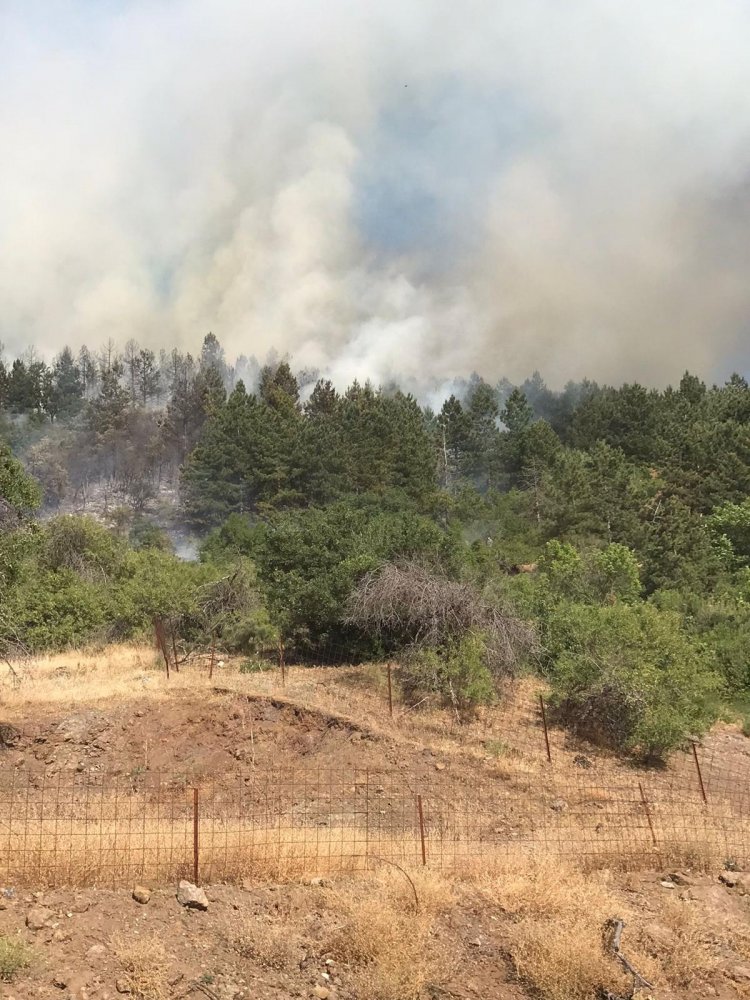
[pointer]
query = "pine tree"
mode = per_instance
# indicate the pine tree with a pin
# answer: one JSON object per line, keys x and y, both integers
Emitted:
{"x": 148, "y": 379}
{"x": 88, "y": 370}
{"x": 453, "y": 442}
{"x": 21, "y": 395}
{"x": 212, "y": 356}
{"x": 66, "y": 394}
{"x": 278, "y": 387}
{"x": 4, "y": 385}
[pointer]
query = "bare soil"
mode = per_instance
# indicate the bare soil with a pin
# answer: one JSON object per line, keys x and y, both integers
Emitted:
{"x": 76, "y": 955}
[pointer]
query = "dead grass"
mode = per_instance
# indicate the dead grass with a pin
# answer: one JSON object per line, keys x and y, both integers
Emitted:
{"x": 685, "y": 955}
{"x": 556, "y": 917}
{"x": 145, "y": 966}
{"x": 384, "y": 938}
{"x": 84, "y": 677}
{"x": 270, "y": 943}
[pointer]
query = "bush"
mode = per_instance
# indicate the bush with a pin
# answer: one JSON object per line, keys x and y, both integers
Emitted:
{"x": 15, "y": 955}
{"x": 255, "y": 666}
{"x": 147, "y": 535}
{"x": 309, "y": 561}
{"x": 631, "y": 678}
{"x": 47, "y": 611}
{"x": 458, "y": 673}
{"x": 82, "y": 545}
{"x": 408, "y": 606}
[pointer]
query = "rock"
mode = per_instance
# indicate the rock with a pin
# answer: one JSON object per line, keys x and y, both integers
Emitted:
{"x": 191, "y": 896}
{"x": 320, "y": 883}
{"x": 321, "y": 992}
{"x": 38, "y": 918}
{"x": 558, "y": 805}
{"x": 61, "y": 980}
{"x": 739, "y": 973}
{"x": 141, "y": 894}
{"x": 440, "y": 767}
{"x": 680, "y": 878}
{"x": 662, "y": 936}
{"x": 668, "y": 884}
{"x": 95, "y": 951}
{"x": 76, "y": 984}
{"x": 729, "y": 879}
{"x": 122, "y": 986}
{"x": 476, "y": 943}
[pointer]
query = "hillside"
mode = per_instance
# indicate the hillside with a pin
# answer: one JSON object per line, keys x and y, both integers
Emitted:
{"x": 525, "y": 860}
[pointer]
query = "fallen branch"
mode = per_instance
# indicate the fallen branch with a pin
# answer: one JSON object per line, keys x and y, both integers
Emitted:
{"x": 613, "y": 931}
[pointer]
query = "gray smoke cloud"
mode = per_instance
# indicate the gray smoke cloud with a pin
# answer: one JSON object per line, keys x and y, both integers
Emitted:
{"x": 415, "y": 189}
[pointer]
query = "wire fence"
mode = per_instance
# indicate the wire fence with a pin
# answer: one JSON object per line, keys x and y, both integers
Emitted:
{"x": 114, "y": 830}
{"x": 542, "y": 794}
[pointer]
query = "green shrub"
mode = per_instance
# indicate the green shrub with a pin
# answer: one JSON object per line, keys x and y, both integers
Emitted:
{"x": 255, "y": 666}
{"x": 15, "y": 955}
{"x": 147, "y": 535}
{"x": 457, "y": 673}
{"x": 631, "y": 678}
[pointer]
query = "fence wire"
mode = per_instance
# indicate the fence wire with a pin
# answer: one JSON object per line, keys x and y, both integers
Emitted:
{"x": 101, "y": 829}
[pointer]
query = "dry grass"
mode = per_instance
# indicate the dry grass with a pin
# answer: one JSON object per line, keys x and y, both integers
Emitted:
{"x": 145, "y": 966}
{"x": 685, "y": 953}
{"x": 556, "y": 916}
{"x": 83, "y": 677}
{"x": 383, "y": 937}
{"x": 270, "y": 943}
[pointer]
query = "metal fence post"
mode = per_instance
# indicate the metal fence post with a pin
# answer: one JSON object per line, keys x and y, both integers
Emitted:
{"x": 195, "y": 836}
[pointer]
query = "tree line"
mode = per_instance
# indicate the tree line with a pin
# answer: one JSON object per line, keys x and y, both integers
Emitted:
{"x": 610, "y": 526}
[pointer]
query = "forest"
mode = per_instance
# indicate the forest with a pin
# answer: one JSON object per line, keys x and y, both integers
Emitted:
{"x": 597, "y": 535}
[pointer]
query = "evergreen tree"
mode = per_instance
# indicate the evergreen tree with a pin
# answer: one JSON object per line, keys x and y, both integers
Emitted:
{"x": 107, "y": 412}
{"x": 130, "y": 360}
{"x": 278, "y": 387}
{"x": 212, "y": 356}
{"x": 480, "y": 462}
{"x": 88, "y": 370}
{"x": 453, "y": 442}
{"x": 517, "y": 416}
{"x": 20, "y": 388}
{"x": 4, "y": 385}
{"x": 66, "y": 395}
{"x": 148, "y": 378}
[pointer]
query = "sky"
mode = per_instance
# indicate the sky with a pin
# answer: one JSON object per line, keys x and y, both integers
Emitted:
{"x": 381, "y": 190}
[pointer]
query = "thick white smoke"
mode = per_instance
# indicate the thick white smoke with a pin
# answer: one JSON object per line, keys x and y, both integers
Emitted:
{"x": 416, "y": 189}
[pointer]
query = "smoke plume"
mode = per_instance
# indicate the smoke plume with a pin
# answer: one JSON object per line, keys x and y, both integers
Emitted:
{"x": 382, "y": 189}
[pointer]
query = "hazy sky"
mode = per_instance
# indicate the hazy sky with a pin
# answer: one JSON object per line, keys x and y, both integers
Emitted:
{"x": 422, "y": 187}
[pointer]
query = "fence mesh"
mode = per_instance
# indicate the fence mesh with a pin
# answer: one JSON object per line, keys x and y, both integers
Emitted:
{"x": 113, "y": 830}
{"x": 544, "y": 793}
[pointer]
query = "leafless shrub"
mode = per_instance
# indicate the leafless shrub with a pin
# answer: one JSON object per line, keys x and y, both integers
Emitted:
{"x": 418, "y": 608}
